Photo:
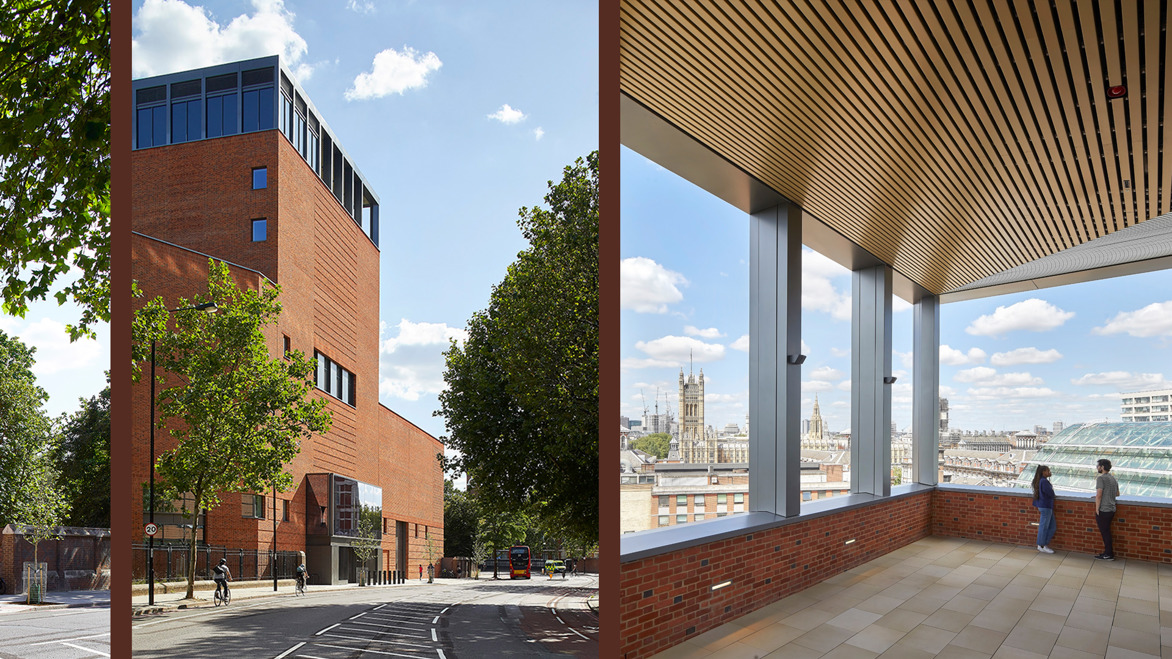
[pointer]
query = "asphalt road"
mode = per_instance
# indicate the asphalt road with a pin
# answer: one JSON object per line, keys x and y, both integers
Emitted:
{"x": 449, "y": 619}
{"x": 56, "y": 634}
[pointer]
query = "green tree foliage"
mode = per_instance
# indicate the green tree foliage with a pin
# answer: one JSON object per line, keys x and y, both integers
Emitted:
{"x": 55, "y": 154}
{"x": 236, "y": 413}
{"x": 83, "y": 455}
{"x": 501, "y": 527}
{"x": 365, "y": 544}
{"x": 522, "y": 397}
{"x": 657, "y": 444}
{"x": 28, "y": 477}
{"x": 461, "y": 518}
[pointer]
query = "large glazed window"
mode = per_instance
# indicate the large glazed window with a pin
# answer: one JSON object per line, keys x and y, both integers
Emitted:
{"x": 335, "y": 380}
{"x": 354, "y": 501}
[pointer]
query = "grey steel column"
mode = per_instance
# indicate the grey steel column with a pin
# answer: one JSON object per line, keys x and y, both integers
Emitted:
{"x": 775, "y": 296}
{"x": 926, "y": 390}
{"x": 870, "y": 395}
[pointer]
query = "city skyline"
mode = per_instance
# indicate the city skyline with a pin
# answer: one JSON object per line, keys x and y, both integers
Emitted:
{"x": 1008, "y": 362}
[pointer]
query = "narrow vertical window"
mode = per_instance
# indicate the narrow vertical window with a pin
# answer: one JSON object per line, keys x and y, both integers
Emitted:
{"x": 260, "y": 178}
{"x": 288, "y": 346}
{"x": 260, "y": 230}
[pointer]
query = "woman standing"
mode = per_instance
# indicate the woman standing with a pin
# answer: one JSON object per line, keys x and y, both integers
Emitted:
{"x": 1044, "y": 502}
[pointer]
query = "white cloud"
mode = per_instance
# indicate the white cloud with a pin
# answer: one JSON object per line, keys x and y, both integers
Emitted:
{"x": 412, "y": 364}
{"x": 394, "y": 72}
{"x": 709, "y": 333}
{"x": 950, "y": 356}
{"x": 1031, "y": 315}
{"x": 741, "y": 344}
{"x": 1029, "y": 355}
{"x": 1125, "y": 380}
{"x": 171, "y": 35}
{"x": 680, "y": 349}
{"x": 647, "y": 287}
{"x": 1011, "y": 393}
{"x": 364, "y": 7}
{"x": 906, "y": 359}
{"x": 818, "y": 291}
{"x": 1153, "y": 320}
{"x": 633, "y": 363}
{"x": 538, "y": 133}
{"x": 508, "y": 115}
{"x": 990, "y": 377}
{"x": 826, "y": 373}
{"x": 817, "y": 386}
{"x": 845, "y": 385}
{"x": 840, "y": 352}
{"x": 55, "y": 354}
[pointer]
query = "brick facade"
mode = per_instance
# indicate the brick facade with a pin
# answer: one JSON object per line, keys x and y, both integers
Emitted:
{"x": 195, "y": 199}
{"x": 78, "y": 560}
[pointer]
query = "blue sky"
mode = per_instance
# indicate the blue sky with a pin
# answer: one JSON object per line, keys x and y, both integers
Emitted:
{"x": 1007, "y": 362}
{"x": 456, "y": 113}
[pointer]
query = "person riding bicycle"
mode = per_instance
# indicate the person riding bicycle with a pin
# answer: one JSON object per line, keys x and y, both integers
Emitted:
{"x": 301, "y": 576}
{"x": 222, "y": 575}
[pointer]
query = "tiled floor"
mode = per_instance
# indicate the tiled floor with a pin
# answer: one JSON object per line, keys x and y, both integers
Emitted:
{"x": 956, "y": 599}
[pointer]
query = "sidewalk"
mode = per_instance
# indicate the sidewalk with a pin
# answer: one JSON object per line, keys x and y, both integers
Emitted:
{"x": 56, "y": 600}
{"x": 166, "y": 602}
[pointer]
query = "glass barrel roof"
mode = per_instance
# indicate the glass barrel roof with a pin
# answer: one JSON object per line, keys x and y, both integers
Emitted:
{"x": 1140, "y": 455}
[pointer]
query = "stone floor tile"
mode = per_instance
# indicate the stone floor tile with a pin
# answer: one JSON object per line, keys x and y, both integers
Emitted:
{"x": 876, "y": 638}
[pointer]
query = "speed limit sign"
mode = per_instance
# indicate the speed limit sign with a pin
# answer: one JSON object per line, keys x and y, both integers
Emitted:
{"x": 151, "y": 529}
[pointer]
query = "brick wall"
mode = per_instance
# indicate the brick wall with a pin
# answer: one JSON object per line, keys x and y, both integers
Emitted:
{"x": 666, "y": 599}
{"x": 79, "y": 560}
{"x": 1139, "y": 532}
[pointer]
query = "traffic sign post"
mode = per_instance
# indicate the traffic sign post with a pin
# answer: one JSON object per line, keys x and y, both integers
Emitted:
{"x": 151, "y": 529}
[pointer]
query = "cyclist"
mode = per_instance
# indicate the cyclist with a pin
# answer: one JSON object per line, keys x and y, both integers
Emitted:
{"x": 301, "y": 577}
{"x": 222, "y": 575}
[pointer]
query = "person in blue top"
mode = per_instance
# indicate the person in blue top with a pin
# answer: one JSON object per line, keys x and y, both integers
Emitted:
{"x": 1044, "y": 502}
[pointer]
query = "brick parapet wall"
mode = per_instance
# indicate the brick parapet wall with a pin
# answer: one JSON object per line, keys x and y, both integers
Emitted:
{"x": 1140, "y": 531}
{"x": 668, "y": 598}
{"x": 78, "y": 560}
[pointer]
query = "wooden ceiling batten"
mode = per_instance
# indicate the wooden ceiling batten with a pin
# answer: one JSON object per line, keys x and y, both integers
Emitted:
{"x": 952, "y": 139}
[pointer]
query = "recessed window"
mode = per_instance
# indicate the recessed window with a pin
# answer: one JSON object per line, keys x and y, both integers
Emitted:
{"x": 252, "y": 506}
{"x": 334, "y": 380}
{"x": 664, "y": 520}
{"x": 285, "y": 510}
{"x": 681, "y": 519}
{"x": 288, "y": 346}
{"x": 260, "y": 230}
{"x": 260, "y": 178}
{"x": 682, "y": 500}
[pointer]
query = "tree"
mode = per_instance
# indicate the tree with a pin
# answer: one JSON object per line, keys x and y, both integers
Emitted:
{"x": 501, "y": 528}
{"x": 365, "y": 544}
{"x": 522, "y": 398}
{"x": 460, "y": 521}
{"x": 26, "y": 438}
{"x": 657, "y": 444}
{"x": 55, "y": 155}
{"x": 83, "y": 456}
{"x": 236, "y": 413}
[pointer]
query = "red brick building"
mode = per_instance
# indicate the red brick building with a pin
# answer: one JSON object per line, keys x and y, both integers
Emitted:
{"x": 234, "y": 163}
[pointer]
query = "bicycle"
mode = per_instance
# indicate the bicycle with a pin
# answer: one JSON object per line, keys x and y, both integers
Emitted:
{"x": 301, "y": 585}
{"x": 223, "y": 598}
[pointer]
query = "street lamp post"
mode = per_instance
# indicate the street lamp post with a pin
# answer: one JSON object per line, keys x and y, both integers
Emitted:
{"x": 274, "y": 537}
{"x": 208, "y": 307}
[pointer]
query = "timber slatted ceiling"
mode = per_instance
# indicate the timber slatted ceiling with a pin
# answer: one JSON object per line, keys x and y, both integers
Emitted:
{"x": 953, "y": 140}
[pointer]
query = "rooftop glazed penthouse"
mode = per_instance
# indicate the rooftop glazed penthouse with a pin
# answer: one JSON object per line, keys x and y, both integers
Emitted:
{"x": 234, "y": 163}
{"x": 248, "y": 97}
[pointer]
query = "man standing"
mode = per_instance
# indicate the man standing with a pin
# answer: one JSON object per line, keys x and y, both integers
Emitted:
{"x": 1106, "y": 491}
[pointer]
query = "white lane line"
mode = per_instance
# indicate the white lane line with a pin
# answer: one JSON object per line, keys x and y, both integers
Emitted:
{"x": 386, "y": 633}
{"x": 578, "y": 632}
{"x": 441, "y": 653}
{"x": 559, "y": 620}
{"x": 433, "y": 638}
{"x": 327, "y": 629}
{"x": 291, "y": 650}
{"x": 358, "y": 616}
{"x": 379, "y": 607}
{"x": 361, "y": 650}
{"x": 435, "y": 620}
{"x": 78, "y": 647}
{"x": 379, "y": 640}
{"x": 445, "y": 610}
{"x": 553, "y": 611}
{"x": 371, "y": 624}
{"x": 308, "y": 656}
{"x": 66, "y": 640}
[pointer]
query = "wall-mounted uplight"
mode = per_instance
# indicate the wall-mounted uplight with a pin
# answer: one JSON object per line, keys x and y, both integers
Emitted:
{"x": 1116, "y": 91}
{"x": 850, "y": 542}
{"x": 796, "y": 360}
{"x": 889, "y": 380}
{"x": 722, "y": 584}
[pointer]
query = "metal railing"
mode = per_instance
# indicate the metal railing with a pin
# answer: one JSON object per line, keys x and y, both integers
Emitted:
{"x": 245, "y": 564}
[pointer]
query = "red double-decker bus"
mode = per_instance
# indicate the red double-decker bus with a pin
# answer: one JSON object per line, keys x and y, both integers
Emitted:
{"x": 519, "y": 562}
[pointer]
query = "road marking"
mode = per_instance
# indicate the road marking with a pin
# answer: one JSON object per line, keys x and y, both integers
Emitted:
{"x": 385, "y": 633}
{"x": 559, "y": 619}
{"x": 441, "y": 653}
{"x": 360, "y": 650}
{"x": 326, "y": 629}
{"x": 358, "y": 616}
{"x": 286, "y": 653}
{"x": 379, "y": 607}
{"x": 445, "y": 610}
{"x": 578, "y": 632}
{"x": 435, "y": 620}
{"x": 553, "y": 611}
{"x": 379, "y": 624}
{"x": 380, "y": 640}
{"x": 79, "y": 638}
{"x": 86, "y": 649}
{"x": 433, "y": 638}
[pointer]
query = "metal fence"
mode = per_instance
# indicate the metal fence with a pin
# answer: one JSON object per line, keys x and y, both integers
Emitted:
{"x": 245, "y": 564}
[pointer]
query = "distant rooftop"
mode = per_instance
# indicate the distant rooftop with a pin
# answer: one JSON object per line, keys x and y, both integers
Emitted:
{"x": 243, "y": 97}
{"x": 1140, "y": 455}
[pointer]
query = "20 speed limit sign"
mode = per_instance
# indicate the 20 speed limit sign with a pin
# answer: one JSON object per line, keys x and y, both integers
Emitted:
{"x": 151, "y": 529}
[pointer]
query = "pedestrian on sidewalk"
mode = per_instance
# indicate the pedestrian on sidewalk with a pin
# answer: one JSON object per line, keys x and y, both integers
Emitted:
{"x": 1106, "y": 491}
{"x": 421, "y": 571}
{"x": 1044, "y": 502}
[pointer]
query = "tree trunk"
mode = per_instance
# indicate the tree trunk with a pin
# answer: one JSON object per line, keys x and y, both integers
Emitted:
{"x": 191, "y": 556}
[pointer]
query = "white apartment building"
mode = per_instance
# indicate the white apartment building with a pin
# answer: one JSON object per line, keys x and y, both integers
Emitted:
{"x": 1141, "y": 406}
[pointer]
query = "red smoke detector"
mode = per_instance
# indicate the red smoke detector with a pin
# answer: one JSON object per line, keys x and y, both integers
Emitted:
{"x": 1116, "y": 91}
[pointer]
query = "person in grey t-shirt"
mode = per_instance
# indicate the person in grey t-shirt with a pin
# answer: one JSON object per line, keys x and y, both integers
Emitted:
{"x": 1106, "y": 491}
